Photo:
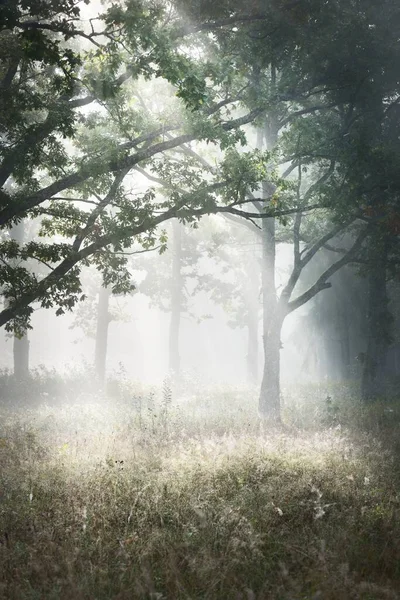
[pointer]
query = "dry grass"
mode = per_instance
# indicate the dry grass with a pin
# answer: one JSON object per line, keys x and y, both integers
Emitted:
{"x": 148, "y": 498}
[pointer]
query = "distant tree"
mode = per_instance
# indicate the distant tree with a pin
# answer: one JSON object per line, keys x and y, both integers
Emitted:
{"x": 234, "y": 282}
{"x": 94, "y": 316}
{"x": 103, "y": 321}
{"x": 169, "y": 282}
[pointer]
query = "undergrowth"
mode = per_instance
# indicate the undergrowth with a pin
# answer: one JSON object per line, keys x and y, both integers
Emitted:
{"x": 164, "y": 495}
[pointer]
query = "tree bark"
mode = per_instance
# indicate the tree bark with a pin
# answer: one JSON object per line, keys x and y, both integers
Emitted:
{"x": 269, "y": 405}
{"x": 373, "y": 385}
{"x": 103, "y": 321}
{"x": 176, "y": 298}
{"x": 269, "y": 401}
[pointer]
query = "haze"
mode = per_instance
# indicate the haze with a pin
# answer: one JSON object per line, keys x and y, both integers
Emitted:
{"x": 199, "y": 279}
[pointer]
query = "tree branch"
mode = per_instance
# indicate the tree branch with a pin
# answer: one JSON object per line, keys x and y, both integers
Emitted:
{"x": 305, "y": 111}
{"x": 17, "y": 307}
{"x": 211, "y": 25}
{"x": 322, "y": 282}
{"x": 248, "y": 223}
{"x": 60, "y": 28}
{"x": 309, "y": 254}
{"x": 98, "y": 210}
{"x": 128, "y": 162}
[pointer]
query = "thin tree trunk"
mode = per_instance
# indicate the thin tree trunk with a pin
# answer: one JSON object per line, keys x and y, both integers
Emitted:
{"x": 103, "y": 321}
{"x": 176, "y": 298}
{"x": 20, "y": 345}
{"x": 373, "y": 384}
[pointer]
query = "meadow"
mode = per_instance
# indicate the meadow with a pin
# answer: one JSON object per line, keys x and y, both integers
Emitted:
{"x": 178, "y": 494}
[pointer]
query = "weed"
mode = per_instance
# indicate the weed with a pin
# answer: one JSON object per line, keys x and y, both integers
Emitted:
{"x": 183, "y": 497}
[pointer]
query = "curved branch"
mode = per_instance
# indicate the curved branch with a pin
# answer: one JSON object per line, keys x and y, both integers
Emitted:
{"x": 127, "y": 162}
{"x": 322, "y": 283}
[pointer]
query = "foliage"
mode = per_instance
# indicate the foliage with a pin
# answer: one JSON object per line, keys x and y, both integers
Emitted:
{"x": 44, "y": 386}
{"x": 278, "y": 61}
{"x": 157, "y": 283}
{"x": 85, "y": 314}
{"x": 234, "y": 282}
{"x": 65, "y": 162}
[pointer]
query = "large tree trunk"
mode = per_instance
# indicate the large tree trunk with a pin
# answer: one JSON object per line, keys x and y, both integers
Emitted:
{"x": 103, "y": 321}
{"x": 373, "y": 384}
{"x": 269, "y": 402}
{"x": 176, "y": 298}
{"x": 20, "y": 345}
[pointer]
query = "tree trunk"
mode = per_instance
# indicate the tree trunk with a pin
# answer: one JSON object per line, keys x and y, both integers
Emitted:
{"x": 373, "y": 384}
{"x": 103, "y": 321}
{"x": 269, "y": 402}
{"x": 20, "y": 345}
{"x": 176, "y": 298}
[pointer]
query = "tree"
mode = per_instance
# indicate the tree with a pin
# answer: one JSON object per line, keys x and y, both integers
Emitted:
{"x": 103, "y": 321}
{"x": 285, "y": 93}
{"x": 169, "y": 281}
{"x": 286, "y": 64}
{"x": 94, "y": 316}
{"x": 277, "y": 307}
{"x": 176, "y": 298}
{"x": 43, "y": 166}
{"x": 234, "y": 280}
{"x": 309, "y": 66}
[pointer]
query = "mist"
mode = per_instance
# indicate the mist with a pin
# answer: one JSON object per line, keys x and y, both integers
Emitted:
{"x": 199, "y": 300}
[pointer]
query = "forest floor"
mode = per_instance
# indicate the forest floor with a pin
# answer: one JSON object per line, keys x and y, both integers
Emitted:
{"x": 145, "y": 497}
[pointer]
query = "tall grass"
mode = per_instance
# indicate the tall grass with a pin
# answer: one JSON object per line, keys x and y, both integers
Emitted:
{"x": 153, "y": 495}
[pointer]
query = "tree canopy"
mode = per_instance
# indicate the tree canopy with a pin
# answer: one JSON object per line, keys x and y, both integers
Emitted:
{"x": 114, "y": 123}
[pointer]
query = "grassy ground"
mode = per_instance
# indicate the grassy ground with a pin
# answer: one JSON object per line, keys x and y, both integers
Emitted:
{"x": 146, "y": 497}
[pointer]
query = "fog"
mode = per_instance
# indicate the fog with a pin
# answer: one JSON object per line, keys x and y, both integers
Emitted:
{"x": 199, "y": 300}
{"x": 138, "y": 345}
